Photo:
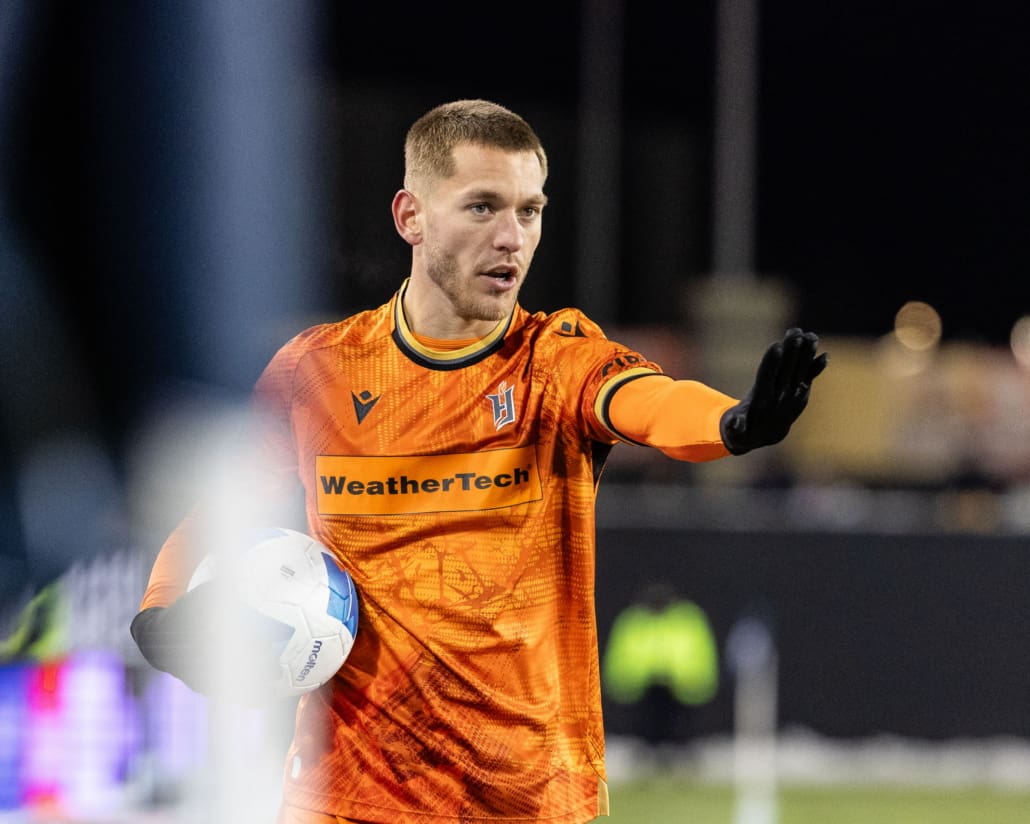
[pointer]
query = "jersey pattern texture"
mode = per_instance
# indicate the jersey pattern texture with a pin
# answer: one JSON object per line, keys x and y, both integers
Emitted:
{"x": 458, "y": 489}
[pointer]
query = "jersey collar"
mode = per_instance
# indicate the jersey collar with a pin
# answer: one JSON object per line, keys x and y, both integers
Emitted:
{"x": 433, "y": 359}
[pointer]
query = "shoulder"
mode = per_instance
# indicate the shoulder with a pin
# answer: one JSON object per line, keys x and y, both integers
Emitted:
{"x": 362, "y": 328}
{"x": 569, "y": 324}
{"x": 359, "y": 329}
{"x": 568, "y": 343}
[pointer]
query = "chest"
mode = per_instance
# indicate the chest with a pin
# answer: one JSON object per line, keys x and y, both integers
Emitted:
{"x": 382, "y": 404}
{"x": 385, "y": 436}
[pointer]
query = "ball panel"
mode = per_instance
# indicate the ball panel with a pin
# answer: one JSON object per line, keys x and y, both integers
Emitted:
{"x": 316, "y": 662}
{"x": 296, "y": 583}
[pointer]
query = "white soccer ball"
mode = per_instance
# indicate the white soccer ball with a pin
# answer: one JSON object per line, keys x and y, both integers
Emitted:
{"x": 295, "y": 581}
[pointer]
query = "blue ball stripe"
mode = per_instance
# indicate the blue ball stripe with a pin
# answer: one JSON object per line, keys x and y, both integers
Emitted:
{"x": 343, "y": 598}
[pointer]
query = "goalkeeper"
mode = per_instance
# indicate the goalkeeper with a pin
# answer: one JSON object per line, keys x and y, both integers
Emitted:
{"x": 449, "y": 445}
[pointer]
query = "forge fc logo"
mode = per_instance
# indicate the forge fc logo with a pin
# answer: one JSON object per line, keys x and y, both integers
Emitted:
{"x": 503, "y": 405}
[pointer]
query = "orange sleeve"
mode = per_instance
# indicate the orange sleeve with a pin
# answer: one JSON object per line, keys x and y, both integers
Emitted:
{"x": 258, "y": 452}
{"x": 678, "y": 417}
{"x": 172, "y": 568}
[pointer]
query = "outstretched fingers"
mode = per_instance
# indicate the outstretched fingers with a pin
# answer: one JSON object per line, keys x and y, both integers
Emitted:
{"x": 816, "y": 368}
{"x": 805, "y": 365}
{"x": 793, "y": 358}
{"x": 766, "y": 386}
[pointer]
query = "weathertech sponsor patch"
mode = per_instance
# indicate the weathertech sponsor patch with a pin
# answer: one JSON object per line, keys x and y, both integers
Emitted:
{"x": 412, "y": 484}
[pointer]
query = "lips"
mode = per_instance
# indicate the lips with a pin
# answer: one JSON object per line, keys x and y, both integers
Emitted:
{"x": 504, "y": 276}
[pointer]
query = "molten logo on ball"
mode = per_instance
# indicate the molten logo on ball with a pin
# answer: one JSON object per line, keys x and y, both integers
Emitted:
{"x": 312, "y": 660}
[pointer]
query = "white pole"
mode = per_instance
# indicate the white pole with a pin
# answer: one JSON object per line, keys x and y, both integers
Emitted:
{"x": 752, "y": 657}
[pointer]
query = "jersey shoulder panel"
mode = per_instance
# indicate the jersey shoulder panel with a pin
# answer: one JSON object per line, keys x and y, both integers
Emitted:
{"x": 582, "y": 364}
{"x": 575, "y": 342}
{"x": 363, "y": 328}
{"x": 566, "y": 323}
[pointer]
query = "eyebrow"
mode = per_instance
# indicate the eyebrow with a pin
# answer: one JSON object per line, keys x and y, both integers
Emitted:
{"x": 492, "y": 195}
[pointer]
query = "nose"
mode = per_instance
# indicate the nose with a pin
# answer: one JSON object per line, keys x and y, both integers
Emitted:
{"x": 510, "y": 234}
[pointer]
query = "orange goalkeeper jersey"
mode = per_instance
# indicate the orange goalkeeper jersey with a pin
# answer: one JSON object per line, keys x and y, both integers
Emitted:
{"x": 458, "y": 489}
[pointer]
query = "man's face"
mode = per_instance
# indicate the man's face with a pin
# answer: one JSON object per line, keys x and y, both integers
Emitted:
{"x": 481, "y": 228}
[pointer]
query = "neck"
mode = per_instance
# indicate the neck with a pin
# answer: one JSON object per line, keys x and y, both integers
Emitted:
{"x": 429, "y": 313}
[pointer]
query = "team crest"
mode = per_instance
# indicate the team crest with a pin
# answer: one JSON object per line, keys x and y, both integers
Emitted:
{"x": 503, "y": 405}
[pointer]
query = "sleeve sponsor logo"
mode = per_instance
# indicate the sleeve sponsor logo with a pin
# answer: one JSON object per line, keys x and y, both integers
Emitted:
{"x": 412, "y": 484}
{"x": 621, "y": 362}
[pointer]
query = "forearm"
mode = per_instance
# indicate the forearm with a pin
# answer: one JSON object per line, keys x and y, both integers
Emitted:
{"x": 678, "y": 417}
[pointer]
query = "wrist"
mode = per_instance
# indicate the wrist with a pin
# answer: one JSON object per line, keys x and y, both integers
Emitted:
{"x": 730, "y": 429}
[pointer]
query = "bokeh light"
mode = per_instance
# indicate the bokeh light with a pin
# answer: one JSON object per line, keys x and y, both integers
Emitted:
{"x": 917, "y": 326}
{"x": 1020, "y": 341}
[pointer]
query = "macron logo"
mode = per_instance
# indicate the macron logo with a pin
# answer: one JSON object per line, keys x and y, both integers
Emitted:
{"x": 569, "y": 331}
{"x": 363, "y": 404}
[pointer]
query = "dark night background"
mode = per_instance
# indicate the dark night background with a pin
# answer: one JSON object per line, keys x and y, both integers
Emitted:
{"x": 891, "y": 156}
{"x": 892, "y": 166}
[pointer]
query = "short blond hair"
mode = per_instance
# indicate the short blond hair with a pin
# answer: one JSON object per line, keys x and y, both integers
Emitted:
{"x": 428, "y": 148}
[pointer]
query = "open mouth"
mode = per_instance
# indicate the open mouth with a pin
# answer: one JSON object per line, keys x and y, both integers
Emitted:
{"x": 502, "y": 275}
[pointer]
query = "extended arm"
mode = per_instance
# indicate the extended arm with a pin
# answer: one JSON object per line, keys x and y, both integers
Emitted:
{"x": 678, "y": 417}
{"x": 690, "y": 421}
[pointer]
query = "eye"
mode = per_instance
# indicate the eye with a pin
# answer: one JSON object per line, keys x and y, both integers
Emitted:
{"x": 530, "y": 212}
{"x": 479, "y": 209}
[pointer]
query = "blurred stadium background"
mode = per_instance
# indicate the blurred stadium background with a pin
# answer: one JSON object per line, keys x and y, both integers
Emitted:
{"x": 183, "y": 185}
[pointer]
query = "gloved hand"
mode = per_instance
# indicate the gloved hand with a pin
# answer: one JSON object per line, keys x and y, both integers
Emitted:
{"x": 778, "y": 396}
{"x": 183, "y": 639}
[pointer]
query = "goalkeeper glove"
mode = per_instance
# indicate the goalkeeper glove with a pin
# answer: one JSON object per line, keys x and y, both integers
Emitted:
{"x": 181, "y": 640}
{"x": 778, "y": 396}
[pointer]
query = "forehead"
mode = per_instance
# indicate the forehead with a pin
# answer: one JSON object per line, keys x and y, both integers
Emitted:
{"x": 487, "y": 167}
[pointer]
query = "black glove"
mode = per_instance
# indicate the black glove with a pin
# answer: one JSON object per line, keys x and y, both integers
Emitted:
{"x": 779, "y": 394}
{"x": 180, "y": 639}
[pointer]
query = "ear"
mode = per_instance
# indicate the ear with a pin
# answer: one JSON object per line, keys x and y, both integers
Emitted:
{"x": 406, "y": 209}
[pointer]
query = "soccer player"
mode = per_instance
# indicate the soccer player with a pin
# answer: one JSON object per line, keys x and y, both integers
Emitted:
{"x": 449, "y": 445}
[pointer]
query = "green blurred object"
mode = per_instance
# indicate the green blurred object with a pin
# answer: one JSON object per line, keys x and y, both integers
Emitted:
{"x": 661, "y": 641}
{"x": 41, "y": 632}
